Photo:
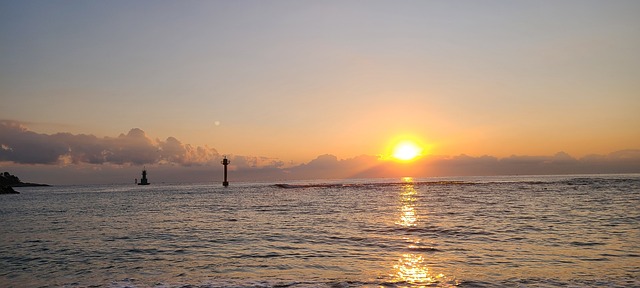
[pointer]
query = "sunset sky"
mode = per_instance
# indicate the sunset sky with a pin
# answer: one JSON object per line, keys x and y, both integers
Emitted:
{"x": 287, "y": 81}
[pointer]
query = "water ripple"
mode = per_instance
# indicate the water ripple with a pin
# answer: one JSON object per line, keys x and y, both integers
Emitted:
{"x": 468, "y": 232}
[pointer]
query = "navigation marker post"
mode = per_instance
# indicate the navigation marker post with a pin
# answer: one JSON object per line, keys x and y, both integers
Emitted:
{"x": 225, "y": 162}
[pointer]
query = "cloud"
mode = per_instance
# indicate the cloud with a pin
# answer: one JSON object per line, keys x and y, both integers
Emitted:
{"x": 175, "y": 161}
{"x": 19, "y": 145}
{"x": 173, "y": 151}
{"x": 328, "y": 166}
{"x": 251, "y": 162}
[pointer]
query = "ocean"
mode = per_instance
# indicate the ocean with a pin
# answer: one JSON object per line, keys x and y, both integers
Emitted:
{"x": 517, "y": 231}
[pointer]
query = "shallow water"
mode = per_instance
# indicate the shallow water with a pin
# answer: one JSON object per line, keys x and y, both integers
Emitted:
{"x": 538, "y": 231}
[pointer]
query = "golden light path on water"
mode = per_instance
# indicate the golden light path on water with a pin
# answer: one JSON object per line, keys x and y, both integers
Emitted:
{"x": 408, "y": 216}
{"x": 412, "y": 268}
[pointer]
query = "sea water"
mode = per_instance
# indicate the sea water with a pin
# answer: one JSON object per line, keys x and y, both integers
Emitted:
{"x": 536, "y": 231}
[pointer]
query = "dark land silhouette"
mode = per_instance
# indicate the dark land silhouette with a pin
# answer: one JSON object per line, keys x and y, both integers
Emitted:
{"x": 8, "y": 190}
{"x": 6, "y": 179}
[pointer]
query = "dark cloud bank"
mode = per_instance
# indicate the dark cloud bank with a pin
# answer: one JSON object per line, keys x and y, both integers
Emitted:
{"x": 19, "y": 145}
{"x": 64, "y": 158}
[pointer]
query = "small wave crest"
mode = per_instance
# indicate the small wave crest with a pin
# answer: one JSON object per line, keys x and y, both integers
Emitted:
{"x": 218, "y": 283}
{"x": 368, "y": 185}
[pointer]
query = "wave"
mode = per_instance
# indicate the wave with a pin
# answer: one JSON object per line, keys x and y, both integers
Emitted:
{"x": 366, "y": 185}
{"x": 448, "y": 282}
{"x": 599, "y": 180}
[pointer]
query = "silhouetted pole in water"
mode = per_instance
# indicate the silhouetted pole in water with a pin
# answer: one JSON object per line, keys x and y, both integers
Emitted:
{"x": 225, "y": 162}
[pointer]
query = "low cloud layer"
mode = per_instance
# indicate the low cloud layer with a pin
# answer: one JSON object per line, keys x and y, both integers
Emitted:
{"x": 21, "y": 146}
{"x": 328, "y": 166}
{"x": 174, "y": 161}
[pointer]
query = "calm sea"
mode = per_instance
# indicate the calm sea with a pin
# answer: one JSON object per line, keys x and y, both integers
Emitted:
{"x": 542, "y": 231}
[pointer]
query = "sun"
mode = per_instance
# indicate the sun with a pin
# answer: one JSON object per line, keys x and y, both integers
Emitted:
{"x": 406, "y": 151}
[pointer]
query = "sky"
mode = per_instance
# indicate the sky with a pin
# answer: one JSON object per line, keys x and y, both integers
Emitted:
{"x": 281, "y": 87}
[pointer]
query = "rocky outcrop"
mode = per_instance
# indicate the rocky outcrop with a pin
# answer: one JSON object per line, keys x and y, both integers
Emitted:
{"x": 8, "y": 190}
{"x": 8, "y": 180}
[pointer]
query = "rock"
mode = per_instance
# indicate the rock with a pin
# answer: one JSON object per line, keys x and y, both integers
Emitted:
{"x": 6, "y": 179}
{"x": 8, "y": 190}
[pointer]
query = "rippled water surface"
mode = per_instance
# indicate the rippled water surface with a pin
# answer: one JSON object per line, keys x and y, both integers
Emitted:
{"x": 547, "y": 231}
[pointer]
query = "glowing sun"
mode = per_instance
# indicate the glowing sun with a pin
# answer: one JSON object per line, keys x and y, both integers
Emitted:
{"x": 406, "y": 150}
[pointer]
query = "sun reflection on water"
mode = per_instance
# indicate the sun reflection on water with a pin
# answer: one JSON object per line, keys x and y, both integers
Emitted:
{"x": 408, "y": 215}
{"x": 412, "y": 268}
